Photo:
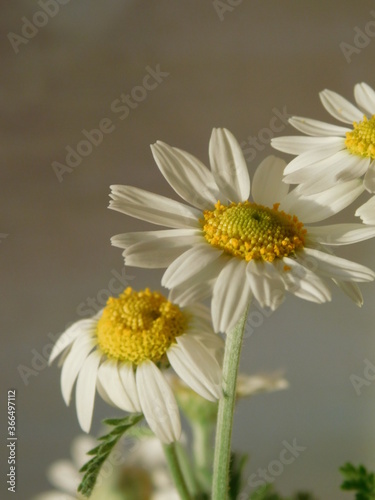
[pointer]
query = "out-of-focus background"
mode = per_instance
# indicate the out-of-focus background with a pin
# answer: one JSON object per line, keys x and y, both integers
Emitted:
{"x": 218, "y": 64}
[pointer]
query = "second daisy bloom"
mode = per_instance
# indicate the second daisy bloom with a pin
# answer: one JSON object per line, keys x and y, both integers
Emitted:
{"x": 235, "y": 249}
{"x": 333, "y": 153}
{"x": 124, "y": 350}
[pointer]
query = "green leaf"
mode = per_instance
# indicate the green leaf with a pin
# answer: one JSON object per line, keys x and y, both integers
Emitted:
{"x": 237, "y": 464}
{"x": 267, "y": 492}
{"x": 101, "y": 452}
{"x": 360, "y": 480}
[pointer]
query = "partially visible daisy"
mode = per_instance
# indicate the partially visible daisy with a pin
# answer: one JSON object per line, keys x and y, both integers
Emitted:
{"x": 249, "y": 385}
{"x": 200, "y": 410}
{"x": 235, "y": 249}
{"x": 333, "y": 153}
{"x": 124, "y": 349}
{"x": 367, "y": 211}
{"x": 64, "y": 475}
{"x": 141, "y": 475}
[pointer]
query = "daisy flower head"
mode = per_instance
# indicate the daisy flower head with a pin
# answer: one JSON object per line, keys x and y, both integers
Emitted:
{"x": 333, "y": 153}
{"x": 123, "y": 350}
{"x": 233, "y": 249}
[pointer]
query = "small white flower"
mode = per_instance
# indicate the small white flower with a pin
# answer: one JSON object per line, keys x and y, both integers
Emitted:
{"x": 233, "y": 249}
{"x": 249, "y": 385}
{"x": 123, "y": 350}
{"x": 64, "y": 474}
{"x": 333, "y": 153}
{"x": 144, "y": 462}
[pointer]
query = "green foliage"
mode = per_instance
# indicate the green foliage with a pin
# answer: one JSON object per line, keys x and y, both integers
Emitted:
{"x": 360, "y": 480}
{"x": 101, "y": 452}
{"x": 237, "y": 464}
{"x": 267, "y": 492}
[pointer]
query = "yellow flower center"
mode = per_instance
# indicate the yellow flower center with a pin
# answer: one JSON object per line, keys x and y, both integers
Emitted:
{"x": 251, "y": 231}
{"x": 139, "y": 326}
{"x": 361, "y": 140}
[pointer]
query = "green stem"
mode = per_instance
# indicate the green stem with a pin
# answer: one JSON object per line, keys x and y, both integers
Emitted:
{"x": 233, "y": 344}
{"x": 187, "y": 470}
{"x": 175, "y": 469}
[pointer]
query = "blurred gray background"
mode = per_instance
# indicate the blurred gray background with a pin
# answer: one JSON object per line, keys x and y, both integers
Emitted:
{"x": 228, "y": 67}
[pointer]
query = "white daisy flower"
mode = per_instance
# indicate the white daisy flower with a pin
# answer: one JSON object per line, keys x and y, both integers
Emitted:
{"x": 249, "y": 385}
{"x": 234, "y": 249}
{"x": 141, "y": 474}
{"x": 123, "y": 350}
{"x": 333, "y": 153}
{"x": 367, "y": 211}
{"x": 64, "y": 475}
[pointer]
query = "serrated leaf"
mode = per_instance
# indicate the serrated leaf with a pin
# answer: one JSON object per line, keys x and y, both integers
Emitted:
{"x": 360, "y": 480}
{"x": 101, "y": 452}
{"x": 267, "y": 492}
{"x": 115, "y": 422}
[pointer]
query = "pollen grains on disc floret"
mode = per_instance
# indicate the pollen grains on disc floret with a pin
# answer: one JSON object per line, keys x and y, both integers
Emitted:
{"x": 253, "y": 232}
{"x": 361, "y": 140}
{"x": 139, "y": 326}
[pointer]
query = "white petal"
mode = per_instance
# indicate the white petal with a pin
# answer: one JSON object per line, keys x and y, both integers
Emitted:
{"x": 351, "y": 290}
{"x": 336, "y": 267}
{"x": 184, "y": 294}
{"x": 79, "y": 448}
{"x": 231, "y": 295}
{"x": 190, "y": 264}
{"x": 187, "y": 175}
{"x": 249, "y": 385}
{"x": 158, "y": 402}
{"x": 126, "y": 240}
{"x": 197, "y": 289}
{"x": 267, "y": 187}
{"x": 160, "y": 253}
{"x": 103, "y": 394}
{"x": 367, "y": 211}
{"x": 228, "y": 165}
{"x": 339, "y": 108}
{"x": 320, "y": 206}
{"x": 316, "y": 127}
{"x": 266, "y": 284}
{"x": 299, "y": 144}
{"x": 110, "y": 379}
{"x": 341, "y": 166}
{"x": 153, "y": 207}
{"x": 82, "y": 327}
{"x": 127, "y": 378}
{"x": 365, "y": 97}
{"x": 74, "y": 362}
{"x": 310, "y": 158}
{"x": 301, "y": 282}
{"x": 64, "y": 476}
{"x": 315, "y": 183}
{"x": 200, "y": 314}
{"x": 369, "y": 180}
{"x": 85, "y": 390}
{"x": 194, "y": 364}
{"x": 211, "y": 342}
{"x": 341, "y": 234}
{"x": 354, "y": 169}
